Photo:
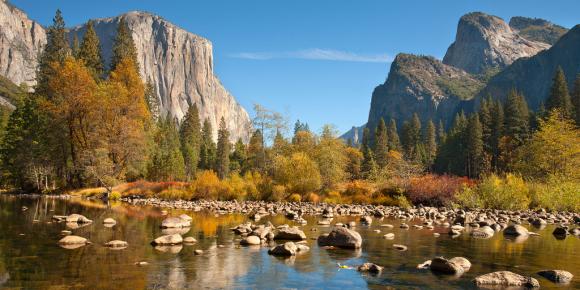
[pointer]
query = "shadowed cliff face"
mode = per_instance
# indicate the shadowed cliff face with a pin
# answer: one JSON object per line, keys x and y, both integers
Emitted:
{"x": 423, "y": 85}
{"x": 486, "y": 42}
{"x": 179, "y": 64}
{"x": 21, "y": 40}
{"x": 533, "y": 76}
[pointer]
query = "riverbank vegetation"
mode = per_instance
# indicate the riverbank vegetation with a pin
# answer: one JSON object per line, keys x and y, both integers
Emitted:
{"x": 91, "y": 129}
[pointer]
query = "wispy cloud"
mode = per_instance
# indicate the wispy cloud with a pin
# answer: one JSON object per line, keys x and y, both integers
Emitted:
{"x": 315, "y": 54}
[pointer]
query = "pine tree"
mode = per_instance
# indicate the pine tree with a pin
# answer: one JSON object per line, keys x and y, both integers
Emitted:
{"x": 474, "y": 146}
{"x": 223, "y": 150}
{"x": 167, "y": 161}
{"x": 256, "y": 158}
{"x": 517, "y": 118}
{"x": 56, "y": 50}
{"x": 576, "y": 99}
{"x": 369, "y": 165}
{"x": 76, "y": 46}
{"x": 412, "y": 137}
{"x": 90, "y": 51}
{"x": 207, "y": 151}
{"x": 497, "y": 131}
{"x": 441, "y": 134}
{"x": 124, "y": 46}
{"x": 559, "y": 97}
{"x": 451, "y": 157}
{"x": 430, "y": 141}
{"x": 190, "y": 136}
{"x": 486, "y": 123}
{"x": 393, "y": 134}
{"x": 238, "y": 157}
{"x": 381, "y": 148}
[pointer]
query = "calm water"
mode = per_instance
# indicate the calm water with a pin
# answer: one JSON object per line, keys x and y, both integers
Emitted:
{"x": 31, "y": 259}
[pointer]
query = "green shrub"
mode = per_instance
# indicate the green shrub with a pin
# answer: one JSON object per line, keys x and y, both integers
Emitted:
{"x": 557, "y": 194}
{"x": 115, "y": 195}
{"x": 467, "y": 197}
{"x": 294, "y": 198}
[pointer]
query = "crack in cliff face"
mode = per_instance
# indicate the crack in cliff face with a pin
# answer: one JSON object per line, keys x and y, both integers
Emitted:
{"x": 179, "y": 64}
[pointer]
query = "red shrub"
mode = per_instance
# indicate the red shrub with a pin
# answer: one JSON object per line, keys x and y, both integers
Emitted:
{"x": 435, "y": 190}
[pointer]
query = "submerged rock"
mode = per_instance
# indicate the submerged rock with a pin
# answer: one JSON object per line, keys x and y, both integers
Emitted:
{"x": 175, "y": 222}
{"x": 557, "y": 276}
{"x": 109, "y": 221}
{"x": 73, "y": 240}
{"x": 506, "y": 279}
{"x": 189, "y": 240}
{"x": 342, "y": 238}
{"x": 400, "y": 247}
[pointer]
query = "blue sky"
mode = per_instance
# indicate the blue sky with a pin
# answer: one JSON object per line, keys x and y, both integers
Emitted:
{"x": 317, "y": 61}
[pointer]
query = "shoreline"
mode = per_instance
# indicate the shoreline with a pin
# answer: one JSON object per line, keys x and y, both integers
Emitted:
{"x": 295, "y": 210}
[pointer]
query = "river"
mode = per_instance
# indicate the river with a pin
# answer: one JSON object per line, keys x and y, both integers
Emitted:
{"x": 30, "y": 257}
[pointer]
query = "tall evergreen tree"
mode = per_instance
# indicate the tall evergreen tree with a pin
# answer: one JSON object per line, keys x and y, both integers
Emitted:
{"x": 576, "y": 99}
{"x": 497, "y": 131}
{"x": 238, "y": 157}
{"x": 393, "y": 134}
{"x": 430, "y": 141}
{"x": 441, "y": 134}
{"x": 223, "y": 150}
{"x": 474, "y": 146}
{"x": 124, "y": 46}
{"x": 207, "y": 151}
{"x": 369, "y": 165}
{"x": 559, "y": 97}
{"x": 167, "y": 161}
{"x": 90, "y": 51}
{"x": 451, "y": 157}
{"x": 76, "y": 46}
{"x": 56, "y": 50}
{"x": 486, "y": 123}
{"x": 381, "y": 148}
{"x": 256, "y": 158}
{"x": 412, "y": 137}
{"x": 517, "y": 117}
{"x": 190, "y": 137}
{"x": 299, "y": 126}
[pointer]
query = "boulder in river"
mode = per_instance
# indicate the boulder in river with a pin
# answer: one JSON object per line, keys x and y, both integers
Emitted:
{"x": 485, "y": 232}
{"x": 116, "y": 244}
{"x": 284, "y": 250}
{"x": 293, "y": 234}
{"x": 109, "y": 221}
{"x": 515, "y": 230}
{"x": 73, "y": 240}
{"x": 557, "y": 276}
{"x": 366, "y": 220}
{"x": 250, "y": 240}
{"x": 342, "y": 238}
{"x": 77, "y": 218}
{"x": 174, "y": 239}
{"x": 189, "y": 240}
{"x": 506, "y": 279}
{"x": 442, "y": 265}
{"x": 370, "y": 268}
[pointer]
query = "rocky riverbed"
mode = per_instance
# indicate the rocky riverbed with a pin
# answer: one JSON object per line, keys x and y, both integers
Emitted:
{"x": 328, "y": 245}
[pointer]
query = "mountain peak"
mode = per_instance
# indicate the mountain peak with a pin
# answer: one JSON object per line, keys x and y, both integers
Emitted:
{"x": 485, "y": 42}
{"x": 537, "y": 29}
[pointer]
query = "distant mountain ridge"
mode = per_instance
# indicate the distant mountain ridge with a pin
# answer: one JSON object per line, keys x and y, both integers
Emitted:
{"x": 488, "y": 56}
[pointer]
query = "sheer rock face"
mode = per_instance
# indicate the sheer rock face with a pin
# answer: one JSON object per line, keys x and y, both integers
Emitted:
{"x": 179, "y": 64}
{"x": 486, "y": 42}
{"x": 422, "y": 85}
{"x": 21, "y": 41}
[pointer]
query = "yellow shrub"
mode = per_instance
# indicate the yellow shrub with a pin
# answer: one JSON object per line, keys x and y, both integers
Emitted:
{"x": 510, "y": 192}
{"x": 278, "y": 193}
{"x": 403, "y": 202}
{"x": 557, "y": 194}
{"x": 115, "y": 195}
{"x": 207, "y": 185}
{"x": 294, "y": 198}
{"x": 333, "y": 197}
